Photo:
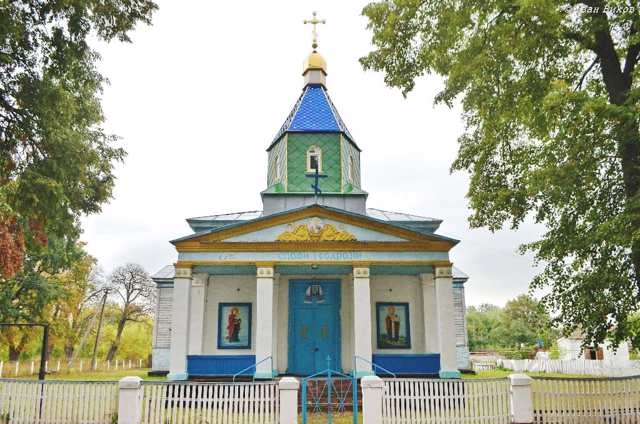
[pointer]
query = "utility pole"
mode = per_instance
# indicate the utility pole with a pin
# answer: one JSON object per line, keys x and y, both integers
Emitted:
{"x": 95, "y": 344}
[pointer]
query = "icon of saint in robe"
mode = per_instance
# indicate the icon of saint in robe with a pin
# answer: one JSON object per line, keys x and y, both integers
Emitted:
{"x": 234, "y": 323}
{"x": 392, "y": 324}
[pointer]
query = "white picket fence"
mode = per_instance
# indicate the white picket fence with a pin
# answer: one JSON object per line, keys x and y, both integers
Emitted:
{"x": 11, "y": 369}
{"x": 445, "y": 401}
{"x": 58, "y": 402}
{"x": 572, "y": 366}
{"x": 588, "y": 401}
{"x": 220, "y": 403}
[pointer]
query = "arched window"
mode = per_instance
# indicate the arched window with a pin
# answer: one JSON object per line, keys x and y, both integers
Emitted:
{"x": 314, "y": 159}
{"x": 352, "y": 170}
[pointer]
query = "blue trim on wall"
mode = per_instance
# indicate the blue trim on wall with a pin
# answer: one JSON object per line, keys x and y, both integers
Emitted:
{"x": 412, "y": 364}
{"x": 219, "y": 365}
{"x": 226, "y": 269}
{"x": 400, "y": 270}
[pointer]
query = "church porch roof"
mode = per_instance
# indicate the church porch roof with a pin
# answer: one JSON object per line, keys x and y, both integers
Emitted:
{"x": 378, "y": 217}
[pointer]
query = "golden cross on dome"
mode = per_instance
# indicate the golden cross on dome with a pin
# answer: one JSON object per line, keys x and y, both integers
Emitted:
{"x": 315, "y": 21}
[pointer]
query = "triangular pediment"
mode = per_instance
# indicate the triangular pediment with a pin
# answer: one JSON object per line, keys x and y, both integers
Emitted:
{"x": 314, "y": 226}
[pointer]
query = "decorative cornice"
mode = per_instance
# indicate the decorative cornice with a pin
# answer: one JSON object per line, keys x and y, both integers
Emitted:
{"x": 434, "y": 263}
{"x": 275, "y": 246}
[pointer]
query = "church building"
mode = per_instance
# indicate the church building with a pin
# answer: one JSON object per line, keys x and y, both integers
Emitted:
{"x": 316, "y": 279}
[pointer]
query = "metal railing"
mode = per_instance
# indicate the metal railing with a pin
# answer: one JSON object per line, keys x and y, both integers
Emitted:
{"x": 254, "y": 366}
{"x": 373, "y": 366}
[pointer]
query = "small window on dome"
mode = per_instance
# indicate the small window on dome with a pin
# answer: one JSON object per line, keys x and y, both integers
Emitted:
{"x": 352, "y": 170}
{"x": 314, "y": 159}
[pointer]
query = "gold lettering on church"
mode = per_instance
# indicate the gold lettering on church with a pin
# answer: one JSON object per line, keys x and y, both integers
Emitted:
{"x": 315, "y": 230}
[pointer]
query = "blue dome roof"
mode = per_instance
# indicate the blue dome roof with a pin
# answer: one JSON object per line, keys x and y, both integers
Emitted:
{"x": 313, "y": 112}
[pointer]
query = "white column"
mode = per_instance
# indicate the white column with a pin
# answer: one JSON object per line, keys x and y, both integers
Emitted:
{"x": 430, "y": 313}
{"x": 264, "y": 320}
{"x": 180, "y": 324}
{"x": 274, "y": 343}
{"x": 129, "y": 400}
{"x": 196, "y": 319}
{"x": 372, "y": 390}
{"x": 521, "y": 399}
{"x": 362, "y": 321}
{"x": 288, "y": 387}
{"x": 446, "y": 323}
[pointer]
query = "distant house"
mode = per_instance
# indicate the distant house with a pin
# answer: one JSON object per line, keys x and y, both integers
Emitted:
{"x": 571, "y": 348}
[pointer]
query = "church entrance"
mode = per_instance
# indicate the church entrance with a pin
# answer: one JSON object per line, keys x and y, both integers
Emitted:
{"x": 314, "y": 326}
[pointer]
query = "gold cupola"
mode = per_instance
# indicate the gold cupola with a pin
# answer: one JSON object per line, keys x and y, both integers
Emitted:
{"x": 314, "y": 61}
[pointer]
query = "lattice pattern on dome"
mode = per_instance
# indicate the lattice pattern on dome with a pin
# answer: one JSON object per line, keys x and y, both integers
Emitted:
{"x": 297, "y": 146}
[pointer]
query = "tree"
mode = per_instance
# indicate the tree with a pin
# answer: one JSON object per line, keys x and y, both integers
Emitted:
{"x": 30, "y": 295}
{"x": 484, "y": 327}
{"x": 134, "y": 293}
{"x": 526, "y": 322}
{"x": 73, "y": 313}
{"x": 549, "y": 91}
{"x": 56, "y": 162}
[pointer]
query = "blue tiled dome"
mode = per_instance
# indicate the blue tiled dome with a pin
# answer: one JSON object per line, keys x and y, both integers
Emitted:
{"x": 313, "y": 112}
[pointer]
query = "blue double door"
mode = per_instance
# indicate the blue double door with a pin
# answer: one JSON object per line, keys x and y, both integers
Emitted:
{"x": 314, "y": 326}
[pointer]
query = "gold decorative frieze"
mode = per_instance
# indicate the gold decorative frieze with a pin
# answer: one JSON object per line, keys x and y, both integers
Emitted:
{"x": 314, "y": 231}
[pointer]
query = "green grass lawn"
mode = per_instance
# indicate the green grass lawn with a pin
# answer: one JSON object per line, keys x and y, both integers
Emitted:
{"x": 142, "y": 373}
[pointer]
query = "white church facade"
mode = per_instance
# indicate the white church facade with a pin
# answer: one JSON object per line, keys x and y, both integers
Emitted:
{"x": 314, "y": 280}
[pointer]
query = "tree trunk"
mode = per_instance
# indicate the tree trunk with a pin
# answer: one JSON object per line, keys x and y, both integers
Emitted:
{"x": 629, "y": 148}
{"x": 14, "y": 352}
{"x": 116, "y": 342}
{"x": 68, "y": 352}
{"x": 618, "y": 83}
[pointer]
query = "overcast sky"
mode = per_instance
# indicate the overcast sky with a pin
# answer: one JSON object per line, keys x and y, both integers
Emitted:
{"x": 198, "y": 96}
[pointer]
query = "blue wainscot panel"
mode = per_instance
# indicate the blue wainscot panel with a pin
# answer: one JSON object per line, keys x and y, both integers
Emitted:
{"x": 219, "y": 365}
{"x": 409, "y": 364}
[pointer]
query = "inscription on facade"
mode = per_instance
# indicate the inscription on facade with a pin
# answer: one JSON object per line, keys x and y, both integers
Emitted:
{"x": 319, "y": 256}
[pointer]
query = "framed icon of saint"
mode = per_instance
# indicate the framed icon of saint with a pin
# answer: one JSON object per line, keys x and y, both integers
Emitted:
{"x": 234, "y": 326}
{"x": 393, "y": 325}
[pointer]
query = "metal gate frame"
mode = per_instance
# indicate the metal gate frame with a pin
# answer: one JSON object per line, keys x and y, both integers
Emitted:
{"x": 330, "y": 375}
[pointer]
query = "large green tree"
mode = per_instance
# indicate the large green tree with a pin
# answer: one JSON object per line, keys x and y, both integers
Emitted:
{"x": 56, "y": 162}
{"x": 549, "y": 91}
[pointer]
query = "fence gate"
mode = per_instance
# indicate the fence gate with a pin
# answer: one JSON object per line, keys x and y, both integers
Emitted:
{"x": 328, "y": 395}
